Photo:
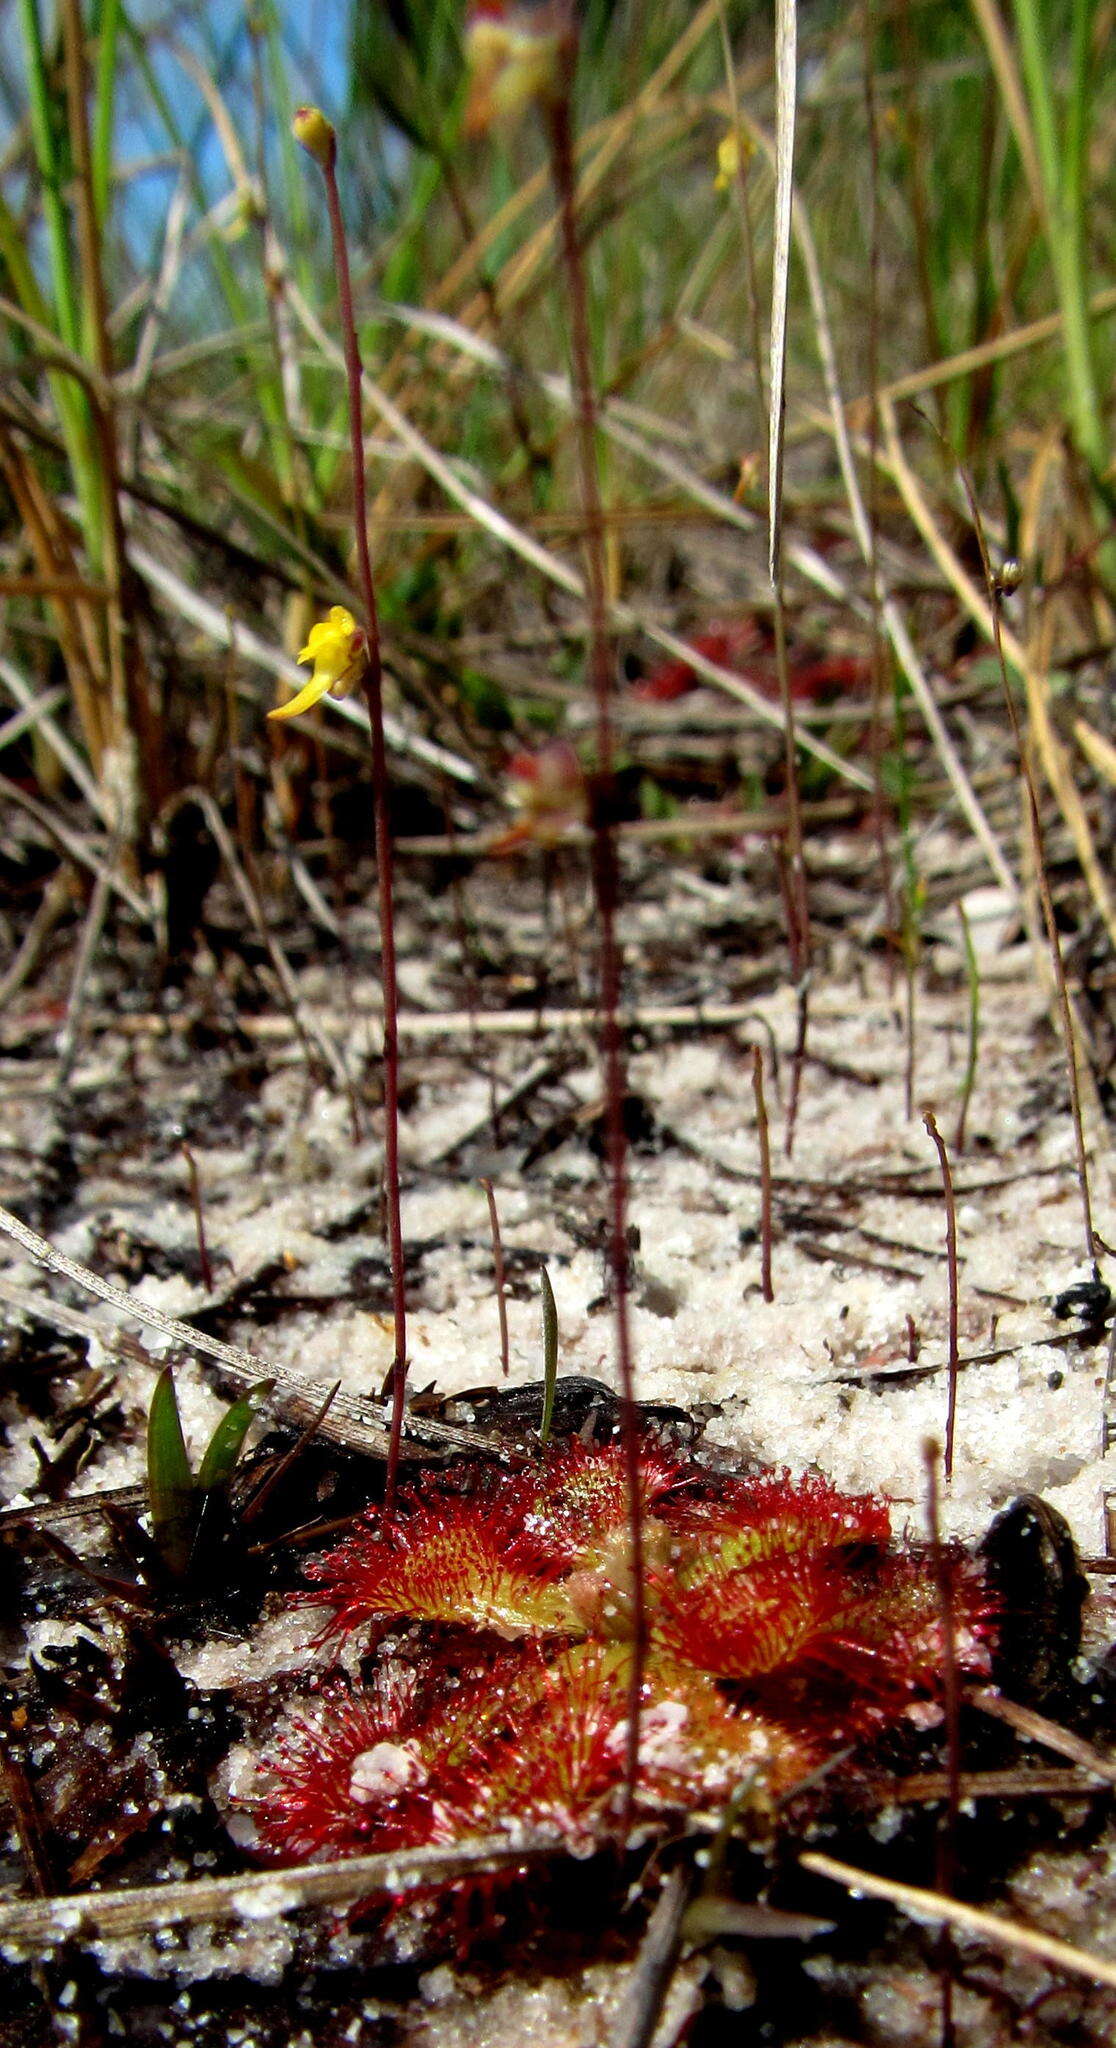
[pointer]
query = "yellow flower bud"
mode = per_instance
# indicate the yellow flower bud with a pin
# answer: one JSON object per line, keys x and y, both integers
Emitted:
{"x": 316, "y": 134}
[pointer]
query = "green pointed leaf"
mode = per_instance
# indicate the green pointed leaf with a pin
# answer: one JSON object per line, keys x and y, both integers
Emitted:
{"x": 171, "y": 1491}
{"x": 227, "y": 1441}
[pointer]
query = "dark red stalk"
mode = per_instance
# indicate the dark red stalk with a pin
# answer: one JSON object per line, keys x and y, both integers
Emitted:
{"x": 876, "y": 657}
{"x": 1042, "y": 879}
{"x": 199, "y": 1219}
{"x": 797, "y": 895}
{"x": 765, "y": 1175}
{"x": 951, "y": 1267}
{"x": 947, "y": 1839}
{"x": 602, "y": 810}
{"x": 373, "y": 694}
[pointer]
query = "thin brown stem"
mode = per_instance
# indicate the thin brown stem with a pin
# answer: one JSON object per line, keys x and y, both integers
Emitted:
{"x": 765, "y": 1175}
{"x": 498, "y": 1275}
{"x": 951, "y": 1268}
{"x": 199, "y": 1218}
{"x": 373, "y": 693}
{"x": 253, "y": 1507}
{"x": 1042, "y": 879}
{"x": 910, "y": 1006}
{"x": 876, "y": 655}
{"x": 602, "y": 809}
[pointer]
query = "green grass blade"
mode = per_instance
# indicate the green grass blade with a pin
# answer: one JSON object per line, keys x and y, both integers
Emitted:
{"x": 107, "y": 29}
{"x": 171, "y": 1491}
{"x": 1062, "y": 160}
{"x": 69, "y": 399}
{"x": 227, "y": 1441}
{"x": 1034, "y": 57}
{"x": 1073, "y": 198}
{"x": 44, "y": 136}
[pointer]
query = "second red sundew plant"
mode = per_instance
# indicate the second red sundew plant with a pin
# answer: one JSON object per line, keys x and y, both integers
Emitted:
{"x": 784, "y": 1625}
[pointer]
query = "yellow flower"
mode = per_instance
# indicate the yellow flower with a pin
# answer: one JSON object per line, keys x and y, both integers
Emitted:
{"x": 337, "y": 649}
{"x": 732, "y": 150}
{"x": 728, "y": 162}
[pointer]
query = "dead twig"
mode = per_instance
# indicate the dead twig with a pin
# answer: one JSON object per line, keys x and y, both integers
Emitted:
{"x": 1036, "y": 1728}
{"x": 55, "y": 901}
{"x": 90, "y": 939}
{"x": 927, "y": 1787}
{"x": 924, "y": 1905}
{"x": 78, "y": 848}
{"x": 310, "y": 1036}
{"x": 35, "y": 1926}
{"x": 348, "y": 1422}
{"x": 654, "y": 1966}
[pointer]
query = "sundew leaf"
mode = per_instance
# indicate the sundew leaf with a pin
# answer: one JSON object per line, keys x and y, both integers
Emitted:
{"x": 227, "y": 1441}
{"x": 441, "y": 1565}
{"x": 171, "y": 1488}
{"x": 773, "y": 1515}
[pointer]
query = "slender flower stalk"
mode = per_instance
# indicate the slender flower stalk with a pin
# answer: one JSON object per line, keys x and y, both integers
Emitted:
{"x": 602, "y": 810}
{"x": 317, "y": 136}
{"x": 951, "y": 1268}
{"x": 764, "y": 1136}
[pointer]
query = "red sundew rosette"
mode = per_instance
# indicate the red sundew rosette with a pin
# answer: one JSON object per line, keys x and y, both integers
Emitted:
{"x": 781, "y": 1627}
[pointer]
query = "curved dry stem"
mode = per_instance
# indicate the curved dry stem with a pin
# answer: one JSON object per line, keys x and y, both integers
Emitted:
{"x": 925, "y": 1905}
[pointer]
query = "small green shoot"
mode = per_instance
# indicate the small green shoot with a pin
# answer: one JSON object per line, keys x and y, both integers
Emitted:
{"x": 170, "y": 1482}
{"x": 550, "y": 1355}
{"x": 178, "y": 1497}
